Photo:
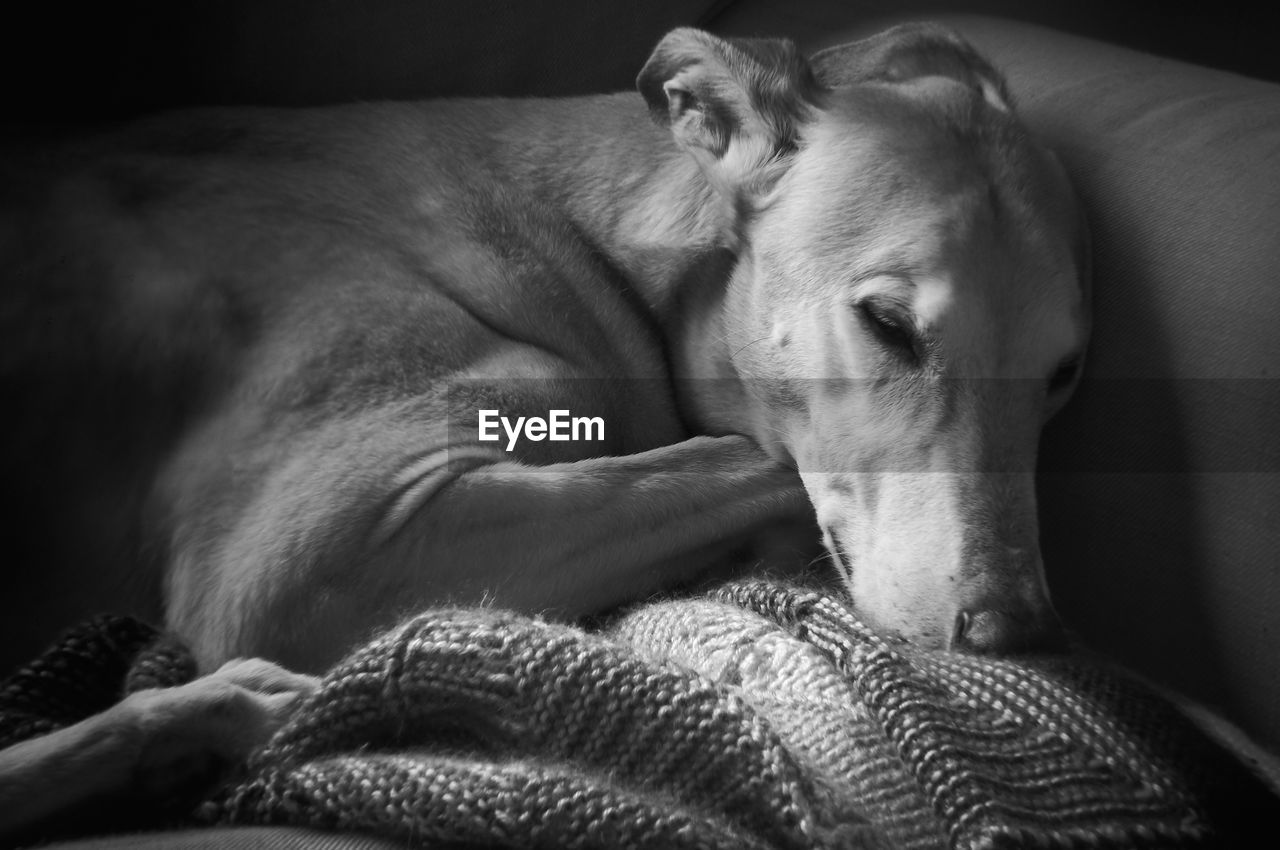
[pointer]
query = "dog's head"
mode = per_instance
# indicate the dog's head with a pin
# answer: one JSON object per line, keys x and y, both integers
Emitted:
{"x": 909, "y": 307}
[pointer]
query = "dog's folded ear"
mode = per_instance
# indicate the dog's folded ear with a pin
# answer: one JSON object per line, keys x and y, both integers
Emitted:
{"x": 736, "y": 105}
{"x": 908, "y": 52}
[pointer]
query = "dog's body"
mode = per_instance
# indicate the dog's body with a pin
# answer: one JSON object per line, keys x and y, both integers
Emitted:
{"x": 247, "y": 354}
{"x": 318, "y": 305}
{"x": 314, "y": 311}
{"x": 248, "y": 350}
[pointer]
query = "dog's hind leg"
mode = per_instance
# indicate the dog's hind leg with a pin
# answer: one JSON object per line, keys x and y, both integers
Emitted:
{"x": 134, "y": 752}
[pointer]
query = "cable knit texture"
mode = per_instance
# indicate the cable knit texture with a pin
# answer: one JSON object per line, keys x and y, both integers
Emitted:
{"x": 88, "y": 670}
{"x": 763, "y": 715}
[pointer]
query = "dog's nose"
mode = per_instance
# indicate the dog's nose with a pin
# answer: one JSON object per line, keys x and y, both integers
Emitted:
{"x": 998, "y": 632}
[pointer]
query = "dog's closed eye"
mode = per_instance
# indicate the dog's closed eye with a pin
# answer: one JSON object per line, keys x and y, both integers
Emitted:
{"x": 893, "y": 330}
{"x": 1064, "y": 375}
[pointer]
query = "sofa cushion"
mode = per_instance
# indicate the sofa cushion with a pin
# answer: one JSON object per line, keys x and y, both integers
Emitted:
{"x": 1160, "y": 483}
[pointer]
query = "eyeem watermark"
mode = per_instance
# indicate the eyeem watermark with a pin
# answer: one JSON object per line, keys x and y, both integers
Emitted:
{"x": 559, "y": 426}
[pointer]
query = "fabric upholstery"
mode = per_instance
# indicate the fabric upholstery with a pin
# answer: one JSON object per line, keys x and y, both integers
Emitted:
{"x": 1160, "y": 484}
{"x": 1231, "y": 34}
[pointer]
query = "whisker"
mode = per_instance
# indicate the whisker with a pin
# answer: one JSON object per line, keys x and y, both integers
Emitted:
{"x": 825, "y": 556}
{"x": 745, "y": 347}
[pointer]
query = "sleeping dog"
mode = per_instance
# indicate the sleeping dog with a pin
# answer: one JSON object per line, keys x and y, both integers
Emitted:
{"x": 295, "y": 373}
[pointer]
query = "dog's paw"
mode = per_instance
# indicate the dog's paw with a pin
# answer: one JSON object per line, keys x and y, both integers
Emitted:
{"x": 193, "y": 734}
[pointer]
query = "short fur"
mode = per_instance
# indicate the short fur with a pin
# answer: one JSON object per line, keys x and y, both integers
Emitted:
{"x": 245, "y": 350}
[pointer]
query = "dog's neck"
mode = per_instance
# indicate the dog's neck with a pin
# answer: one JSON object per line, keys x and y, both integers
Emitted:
{"x": 646, "y": 206}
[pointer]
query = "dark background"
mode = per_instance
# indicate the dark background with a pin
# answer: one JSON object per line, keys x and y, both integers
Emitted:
{"x": 77, "y": 63}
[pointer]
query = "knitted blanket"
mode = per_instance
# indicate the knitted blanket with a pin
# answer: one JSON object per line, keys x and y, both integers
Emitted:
{"x": 763, "y": 715}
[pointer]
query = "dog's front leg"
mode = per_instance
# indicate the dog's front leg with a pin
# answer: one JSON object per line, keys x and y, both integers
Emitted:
{"x": 572, "y": 539}
{"x": 338, "y": 550}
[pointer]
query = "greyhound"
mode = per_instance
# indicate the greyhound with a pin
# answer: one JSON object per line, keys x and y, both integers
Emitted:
{"x": 267, "y": 362}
